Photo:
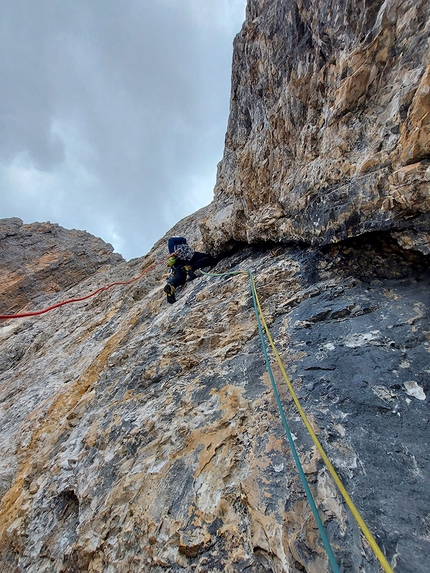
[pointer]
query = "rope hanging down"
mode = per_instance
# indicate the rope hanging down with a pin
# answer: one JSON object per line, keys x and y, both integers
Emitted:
{"x": 70, "y": 300}
{"x": 366, "y": 532}
{"x": 324, "y": 538}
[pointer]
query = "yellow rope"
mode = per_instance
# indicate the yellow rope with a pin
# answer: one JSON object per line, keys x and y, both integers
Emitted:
{"x": 381, "y": 558}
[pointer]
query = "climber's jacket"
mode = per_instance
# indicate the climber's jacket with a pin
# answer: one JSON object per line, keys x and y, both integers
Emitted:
{"x": 181, "y": 252}
{"x": 184, "y": 259}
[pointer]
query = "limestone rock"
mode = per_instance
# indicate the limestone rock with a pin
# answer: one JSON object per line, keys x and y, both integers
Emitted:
{"x": 43, "y": 258}
{"x": 329, "y": 109}
{"x": 141, "y": 436}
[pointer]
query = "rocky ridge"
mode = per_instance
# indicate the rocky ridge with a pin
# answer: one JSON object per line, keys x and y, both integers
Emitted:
{"x": 43, "y": 258}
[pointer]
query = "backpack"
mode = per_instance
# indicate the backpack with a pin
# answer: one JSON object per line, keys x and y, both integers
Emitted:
{"x": 185, "y": 252}
{"x": 174, "y": 242}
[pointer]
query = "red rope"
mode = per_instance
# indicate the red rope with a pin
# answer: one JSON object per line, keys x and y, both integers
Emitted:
{"x": 36, "y": 312}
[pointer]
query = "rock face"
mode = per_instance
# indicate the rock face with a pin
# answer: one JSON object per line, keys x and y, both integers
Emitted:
{"x": 329, "y": 129}
{"x": 44, "y": 258}
{"x": 141, "y": 436}
{"x": 138, "y": 436}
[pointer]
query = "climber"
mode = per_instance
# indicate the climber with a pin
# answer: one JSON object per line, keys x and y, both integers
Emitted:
{"x": 182, "y": 262}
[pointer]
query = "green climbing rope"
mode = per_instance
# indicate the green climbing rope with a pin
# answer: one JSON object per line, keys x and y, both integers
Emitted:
{"x": 324, "y": 538}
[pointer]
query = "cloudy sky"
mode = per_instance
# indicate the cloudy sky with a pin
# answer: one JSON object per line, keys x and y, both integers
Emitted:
{"x": 113, "y": 112}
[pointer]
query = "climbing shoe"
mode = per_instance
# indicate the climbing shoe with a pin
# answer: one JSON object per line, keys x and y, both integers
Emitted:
{"x": 191, "y": 274}
{"x": 170, "y": 291}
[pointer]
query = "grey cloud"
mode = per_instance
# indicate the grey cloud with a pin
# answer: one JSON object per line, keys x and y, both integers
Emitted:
{"x": 119, "y": 106}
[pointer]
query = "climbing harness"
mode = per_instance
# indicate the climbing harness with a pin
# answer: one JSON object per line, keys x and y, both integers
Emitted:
{"x": 70, "y": 300}
{"x": 366, "y": 532}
